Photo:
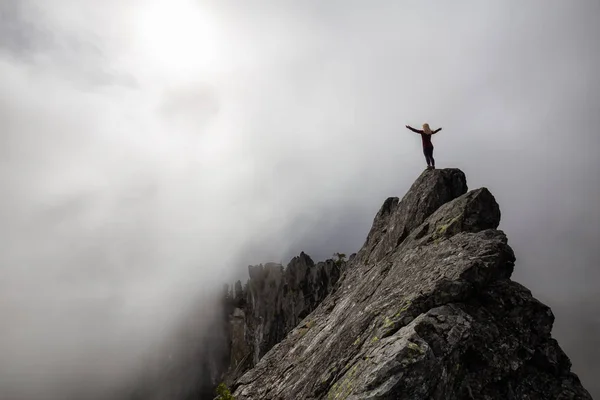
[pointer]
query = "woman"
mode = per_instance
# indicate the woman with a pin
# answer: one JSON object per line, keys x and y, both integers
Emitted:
{"x": 427, "y": 145}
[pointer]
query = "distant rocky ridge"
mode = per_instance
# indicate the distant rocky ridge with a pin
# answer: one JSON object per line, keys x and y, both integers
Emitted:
{"x": 271, "y": 304}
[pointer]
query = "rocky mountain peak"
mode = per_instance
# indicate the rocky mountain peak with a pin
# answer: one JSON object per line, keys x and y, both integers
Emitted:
{"x": 425, "y": 310}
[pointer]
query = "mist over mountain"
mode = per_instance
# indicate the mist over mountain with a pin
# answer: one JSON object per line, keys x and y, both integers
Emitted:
{"x": 151, "y": 151}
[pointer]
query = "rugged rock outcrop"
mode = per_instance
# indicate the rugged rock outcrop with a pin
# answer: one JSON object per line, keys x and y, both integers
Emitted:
{"x": 425, "y": 310}
{"x": 271, "y": 304}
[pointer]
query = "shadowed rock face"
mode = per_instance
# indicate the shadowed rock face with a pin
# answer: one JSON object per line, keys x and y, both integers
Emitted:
{"x": 425, "y": 310}
{"x": 272, "y": 303}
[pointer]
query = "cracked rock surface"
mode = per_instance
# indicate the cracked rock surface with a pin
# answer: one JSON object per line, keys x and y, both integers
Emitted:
{"x": 425, "y": 310}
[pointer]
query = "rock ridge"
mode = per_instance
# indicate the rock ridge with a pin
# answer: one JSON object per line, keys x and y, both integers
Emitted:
{"x": 272, "y": 303}
{"x": 425, "y": 310}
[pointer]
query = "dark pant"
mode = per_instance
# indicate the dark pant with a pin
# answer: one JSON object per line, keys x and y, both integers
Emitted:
{"x": 428, "y": 151}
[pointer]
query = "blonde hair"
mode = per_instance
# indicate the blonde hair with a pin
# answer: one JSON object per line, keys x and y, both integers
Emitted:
{"x": 427, "y": 129}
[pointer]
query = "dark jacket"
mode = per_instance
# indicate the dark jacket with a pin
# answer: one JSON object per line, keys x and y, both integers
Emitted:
{"x": 425, "y": 137}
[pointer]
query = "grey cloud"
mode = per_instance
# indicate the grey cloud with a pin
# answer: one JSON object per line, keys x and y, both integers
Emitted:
{"x": 123, "y": 201}
{"x": 19, "y": 34}
{"x": 29, "y": 35}
{"x": 195, "y": 104}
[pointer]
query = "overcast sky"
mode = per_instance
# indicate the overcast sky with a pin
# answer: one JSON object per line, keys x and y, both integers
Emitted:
{"x": 151, "y": 150}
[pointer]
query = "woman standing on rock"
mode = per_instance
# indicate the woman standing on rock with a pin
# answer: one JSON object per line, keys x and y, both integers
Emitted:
{"x": 427, "y": 145}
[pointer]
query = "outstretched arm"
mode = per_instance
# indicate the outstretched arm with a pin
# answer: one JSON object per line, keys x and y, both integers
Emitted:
{"x": 413, "y": 129}
{"x": 437, "y": 130}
